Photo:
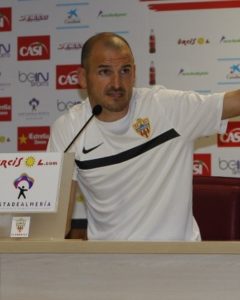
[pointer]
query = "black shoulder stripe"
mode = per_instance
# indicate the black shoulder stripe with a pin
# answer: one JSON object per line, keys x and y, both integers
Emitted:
{"x": 128, "y": 154}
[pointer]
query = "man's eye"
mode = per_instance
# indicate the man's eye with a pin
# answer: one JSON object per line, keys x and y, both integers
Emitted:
{"x": 104, "y": 72}
{"x": 125, "y": 71}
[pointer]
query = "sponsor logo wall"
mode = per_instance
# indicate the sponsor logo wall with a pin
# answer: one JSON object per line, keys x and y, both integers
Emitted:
{"x": 40, "y": 49}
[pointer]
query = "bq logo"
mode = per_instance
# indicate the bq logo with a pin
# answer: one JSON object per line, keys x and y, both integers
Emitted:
{"x": 67, "y": 77}
{"x": 5, "y": 108}
{"x": 232, "y": 137}
{"x": 33, "y": 47}
{"x": 202, "y": 164}
{"x": 33, "y": 138}
{"x": 5, "y": 19}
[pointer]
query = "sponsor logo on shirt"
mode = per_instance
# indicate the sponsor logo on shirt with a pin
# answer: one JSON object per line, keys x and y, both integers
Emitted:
{"x": 232, "y": 137}
{"x": 34, "y": 47}
{"x": 202, "y": 164}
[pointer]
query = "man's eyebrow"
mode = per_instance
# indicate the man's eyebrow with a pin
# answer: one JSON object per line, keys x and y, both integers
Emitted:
{"x": 108, "y": 66}
{"x": 103, "y": 66}
{"x": 127, "y": 66}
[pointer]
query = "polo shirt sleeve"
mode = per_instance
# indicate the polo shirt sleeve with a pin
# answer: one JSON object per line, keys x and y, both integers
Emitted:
{"x": 193, "y": 115}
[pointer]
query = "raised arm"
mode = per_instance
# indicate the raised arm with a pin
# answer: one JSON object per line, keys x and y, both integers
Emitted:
{"x": 231, "y": 104}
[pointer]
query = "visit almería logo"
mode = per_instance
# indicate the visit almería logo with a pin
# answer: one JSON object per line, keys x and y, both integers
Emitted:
{"x": 23, "y": 184}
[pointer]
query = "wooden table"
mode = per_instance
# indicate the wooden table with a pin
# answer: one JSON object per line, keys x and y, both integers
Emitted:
{"x": 74, "y": 269}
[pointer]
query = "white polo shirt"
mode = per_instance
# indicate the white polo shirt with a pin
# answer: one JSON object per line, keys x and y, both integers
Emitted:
{"x": 136, "y": 173}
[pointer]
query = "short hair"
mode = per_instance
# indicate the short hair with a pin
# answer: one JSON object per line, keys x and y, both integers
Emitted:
{"x": 108, "y": 40}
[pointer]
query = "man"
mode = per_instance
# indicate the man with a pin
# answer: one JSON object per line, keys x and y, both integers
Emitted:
{"x": 134, "y": 160}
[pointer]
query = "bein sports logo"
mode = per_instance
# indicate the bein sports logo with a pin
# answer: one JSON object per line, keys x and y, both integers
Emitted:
{"x": 5, "y": 50}
{"x": 5, "y": 19}
{"x": 67, "y": 77}
{"x": 202, "y": 164}
{"x": 232, "y": 136}
{"x": 35, "y": 79}
{"x": 229, "y": 165}
{"x": 34, "y": 47}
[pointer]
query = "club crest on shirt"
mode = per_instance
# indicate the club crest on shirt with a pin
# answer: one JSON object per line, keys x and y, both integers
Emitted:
{"x": 142, "y": 127}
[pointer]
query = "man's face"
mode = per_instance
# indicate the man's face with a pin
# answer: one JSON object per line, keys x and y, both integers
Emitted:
{"x": 109, "y": 78}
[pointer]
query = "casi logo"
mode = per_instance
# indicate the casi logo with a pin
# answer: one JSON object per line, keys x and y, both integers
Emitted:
{"x": 202, "y": 164}
{"x": 232, "y": 137}
{"x": 67, "y": 77}
{"x": 5, "y": 19}
{"x": 33, "y": 138}
{"x": 5, "y": 108}
{"x": 34, "y": 47}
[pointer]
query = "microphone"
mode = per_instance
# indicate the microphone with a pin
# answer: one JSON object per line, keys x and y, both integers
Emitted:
{"x": 97, "y": 109}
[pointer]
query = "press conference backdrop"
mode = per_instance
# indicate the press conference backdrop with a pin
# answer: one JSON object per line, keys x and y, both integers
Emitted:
{"x": 189, "y": 45}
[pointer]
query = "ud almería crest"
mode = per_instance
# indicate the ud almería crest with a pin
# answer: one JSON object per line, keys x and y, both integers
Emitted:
{"x": 142, "y": 127}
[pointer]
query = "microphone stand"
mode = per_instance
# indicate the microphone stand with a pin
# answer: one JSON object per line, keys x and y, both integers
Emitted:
{"x": 96, "y": 111}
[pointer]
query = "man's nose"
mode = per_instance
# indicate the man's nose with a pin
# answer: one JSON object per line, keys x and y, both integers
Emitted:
{"x": 116, "y": 81}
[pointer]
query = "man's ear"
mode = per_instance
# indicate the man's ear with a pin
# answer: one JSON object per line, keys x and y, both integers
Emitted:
{"x": 82, "y": 77}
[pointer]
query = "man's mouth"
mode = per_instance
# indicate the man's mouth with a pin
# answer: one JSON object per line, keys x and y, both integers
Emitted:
{"x": 115, "y": 93}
